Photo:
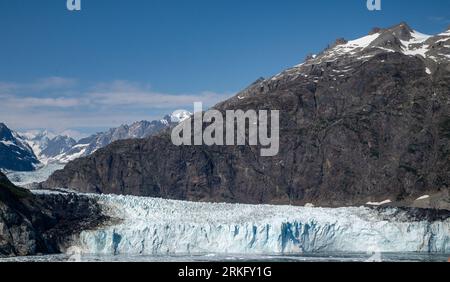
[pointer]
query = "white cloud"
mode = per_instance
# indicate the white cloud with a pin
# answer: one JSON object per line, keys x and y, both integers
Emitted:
{"x": 43, "y": 84}
{"x": 123, "y": 93}
{"x": 33, "y": 102}
{"x": 103, "y": 105}
{"x": 53, "y": 82}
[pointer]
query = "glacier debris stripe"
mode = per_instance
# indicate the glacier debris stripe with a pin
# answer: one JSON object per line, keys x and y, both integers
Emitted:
{"x": 150, "y": 226}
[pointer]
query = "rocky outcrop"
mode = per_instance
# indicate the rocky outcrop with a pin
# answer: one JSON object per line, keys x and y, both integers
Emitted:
{"x": 15, "y": 154}
{"x": 364, "y": 121}
{"x": 32, "y": 224}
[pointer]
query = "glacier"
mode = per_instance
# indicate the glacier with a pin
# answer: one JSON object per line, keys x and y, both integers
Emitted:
{"x": 150, "y": 226}
{"x": 25, "y": 178}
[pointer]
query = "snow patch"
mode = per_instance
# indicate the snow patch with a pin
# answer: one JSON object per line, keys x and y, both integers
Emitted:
{"x": 379, "y": 203}
{"x": 180, "y": 116}
{"x": 423, "y": 197}
{"x": 8, "y": 143}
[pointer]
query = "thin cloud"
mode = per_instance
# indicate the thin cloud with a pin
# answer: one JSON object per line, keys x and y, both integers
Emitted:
{"x": 43, "y": 84}
{"x": 53, "y": 82}
{"x": 34, "y": 102}
{"x": 124, "y": 93}
{"x": 102, "y": 105}
{"x": 440, "y": 19}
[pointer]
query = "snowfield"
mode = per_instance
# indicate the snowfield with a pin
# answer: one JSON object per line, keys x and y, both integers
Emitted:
{"x": 150, "y": 226}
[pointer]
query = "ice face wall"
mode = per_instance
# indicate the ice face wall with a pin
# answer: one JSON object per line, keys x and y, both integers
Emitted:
{"x": 154, "y": 226}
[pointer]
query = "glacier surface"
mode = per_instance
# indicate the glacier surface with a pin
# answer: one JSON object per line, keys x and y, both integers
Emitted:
{"x": 149, "y": 226}
{"x": 24, "y": 178}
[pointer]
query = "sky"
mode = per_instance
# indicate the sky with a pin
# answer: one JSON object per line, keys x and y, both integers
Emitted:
{"x": 119, "y": 61}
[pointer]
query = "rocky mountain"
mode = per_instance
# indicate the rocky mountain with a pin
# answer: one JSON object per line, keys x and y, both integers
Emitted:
{"x": 46, "y": 145}
{"x": 52, "y": 148}
{"x": 42, "y": 224}
{"x": 141, "y": 129}
{"x": 15, "y": 154}
{"x": 366, "y": 120}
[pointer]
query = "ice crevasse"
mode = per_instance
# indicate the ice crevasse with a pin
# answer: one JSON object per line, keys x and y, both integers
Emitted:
{"x": 149, "y": 226}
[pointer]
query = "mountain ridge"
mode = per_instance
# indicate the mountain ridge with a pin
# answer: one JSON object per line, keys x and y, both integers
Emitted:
{"x": 363, "y": 121}
{"x": 54, "y": 148}
{"x": 15, "y": 154}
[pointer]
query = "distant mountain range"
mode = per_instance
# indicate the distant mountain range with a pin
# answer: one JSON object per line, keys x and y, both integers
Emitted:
{"x": 46, "y": 145}
{"x": 26, "y": 151}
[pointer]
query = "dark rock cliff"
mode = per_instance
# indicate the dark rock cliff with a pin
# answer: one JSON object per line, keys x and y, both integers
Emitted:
{"x": 15, "y": 154}
{"x": 359, "y": 122}
{"x": 42, "y": 224}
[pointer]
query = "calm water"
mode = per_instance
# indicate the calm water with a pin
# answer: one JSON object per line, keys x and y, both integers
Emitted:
{"x": 388, "y": 257}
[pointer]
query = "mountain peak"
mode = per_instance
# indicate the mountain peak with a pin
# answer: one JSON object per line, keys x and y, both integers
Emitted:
{"x": 180, "y": 116}
{"x": 375, "y": 30}
{"x": 5, "y": 132}
{"x": 401, "y": 31}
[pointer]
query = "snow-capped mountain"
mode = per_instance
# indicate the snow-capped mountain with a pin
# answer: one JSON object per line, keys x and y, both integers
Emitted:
{"x": 47, "y": 145}
{"x": 137, "y": 130}
{"x": 432, "y": 49}
{"x": 15, "y": 153}
{"x": 52, "y": 148}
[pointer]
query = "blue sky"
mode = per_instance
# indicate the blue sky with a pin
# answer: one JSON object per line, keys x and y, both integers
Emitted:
{"x": 118, "y": 61}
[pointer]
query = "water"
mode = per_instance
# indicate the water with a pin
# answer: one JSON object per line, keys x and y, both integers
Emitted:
{"x": 322, "y": 257}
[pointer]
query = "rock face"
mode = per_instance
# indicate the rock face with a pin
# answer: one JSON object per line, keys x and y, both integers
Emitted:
{"x": 365, "y": 120}
{"x": 15, "y": 154}
{"x": 32, "y": 224}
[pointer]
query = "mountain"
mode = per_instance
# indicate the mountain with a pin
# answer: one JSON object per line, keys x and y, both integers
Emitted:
{"x": 105, "y": 225}
{"x": 51, "y": 148}
{"x": 364, "y": 121}
{"x": 141, "y": 129}
{"x": 47, "y": 145}
{"x": 15, "y": 154}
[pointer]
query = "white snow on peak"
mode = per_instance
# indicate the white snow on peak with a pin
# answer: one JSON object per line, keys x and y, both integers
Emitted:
{"x": 180, "y": 116}
{"x": 33, "y": 134}
{"x": 65, "y": 158}
{"x": 353, "y": 46}
{"x": 415, "y": 45}
{"x": 362, "y": 42}
{"x": 418, "y": 37}
{"x": 363, "y": 49}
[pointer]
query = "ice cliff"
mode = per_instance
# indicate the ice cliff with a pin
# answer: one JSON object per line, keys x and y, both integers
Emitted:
{"x": 150, "y": 226}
